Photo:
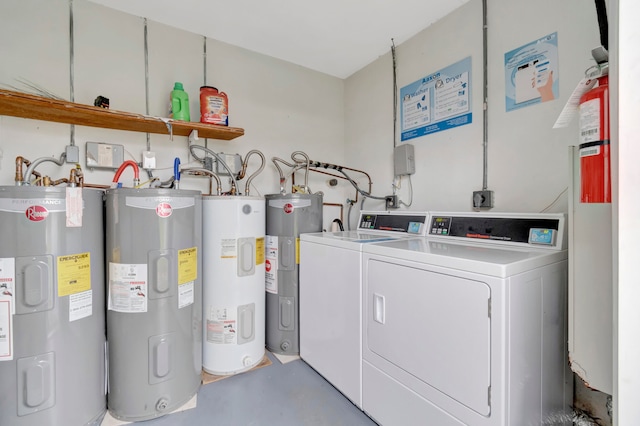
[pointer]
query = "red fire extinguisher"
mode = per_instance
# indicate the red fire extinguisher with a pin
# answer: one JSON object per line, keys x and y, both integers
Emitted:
{"x": 595, "y": 161}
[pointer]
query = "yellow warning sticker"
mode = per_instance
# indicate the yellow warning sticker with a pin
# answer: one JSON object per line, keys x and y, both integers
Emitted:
{"x": 297, "y": 251}
{"x": 74, "y": 273}
{"x": 187, "y": 265}
{"x": 259, "y": 251}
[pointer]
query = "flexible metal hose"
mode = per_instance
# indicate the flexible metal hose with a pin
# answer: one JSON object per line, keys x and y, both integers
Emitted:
{"x": 39, "y": 161}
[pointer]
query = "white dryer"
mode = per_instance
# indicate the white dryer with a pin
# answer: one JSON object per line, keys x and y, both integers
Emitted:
{"x": 331, "y": 294}
{"x": 468, "y": 325}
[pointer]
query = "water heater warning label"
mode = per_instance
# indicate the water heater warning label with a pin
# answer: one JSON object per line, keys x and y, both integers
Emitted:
{"x": 80, "y": 305}
{"x": 74, "y": 273}
{"x": 6, "y": 331}
{"x": 187, "y": 265}
{"x": 187, "y": 274}
{"x": 259, "y": 251}
{"x": 228, "y": 248}
{"x": 127, "y": 287}
{"x": 7, "y": 281}
{"x": 271, "y": 264}
{"x": 221, "y": 325}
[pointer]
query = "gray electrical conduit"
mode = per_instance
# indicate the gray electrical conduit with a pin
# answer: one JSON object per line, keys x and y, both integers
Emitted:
{"x": 39, "y": 161}
{"x": 194, "y": 170}
{"x": 355, "y": 185}
{"x": 485, "y": 100}
{"x": 347, "y": 177}
{"x": 329, "y": 166}
{"x": 220, "y": 160}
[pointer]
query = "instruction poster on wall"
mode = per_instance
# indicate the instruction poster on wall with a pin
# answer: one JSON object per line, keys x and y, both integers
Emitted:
{"x": 531, "y": 73}
{"x": 437, "y": 102}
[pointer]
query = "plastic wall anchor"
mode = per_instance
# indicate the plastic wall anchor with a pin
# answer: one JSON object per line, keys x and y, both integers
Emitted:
{"x": 193, "y": 136}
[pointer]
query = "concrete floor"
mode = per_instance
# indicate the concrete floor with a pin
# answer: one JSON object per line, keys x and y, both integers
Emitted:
{"x": 290, "y": 394}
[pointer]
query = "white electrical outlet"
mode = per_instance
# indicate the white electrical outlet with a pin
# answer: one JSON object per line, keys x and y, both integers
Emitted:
{"x": 148, "y": 160}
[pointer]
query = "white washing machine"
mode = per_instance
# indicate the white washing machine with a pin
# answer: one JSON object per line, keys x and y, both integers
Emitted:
{"x": 331, "y": 294}
{"x": 468, "y": 325}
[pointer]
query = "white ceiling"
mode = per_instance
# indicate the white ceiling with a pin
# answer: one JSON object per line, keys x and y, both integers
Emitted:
{"x": 336, "y": 37}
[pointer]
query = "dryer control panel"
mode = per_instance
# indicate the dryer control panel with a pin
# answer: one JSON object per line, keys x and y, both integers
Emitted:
{"x": 413, "y": 223}
{"x": 541, "y": 230}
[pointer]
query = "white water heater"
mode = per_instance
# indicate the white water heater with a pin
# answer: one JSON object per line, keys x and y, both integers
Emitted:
{"x": 52, "y": 318}
{"x": 233, "y": 283}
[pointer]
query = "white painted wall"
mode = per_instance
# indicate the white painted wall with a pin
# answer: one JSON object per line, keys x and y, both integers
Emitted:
{"x": 527, "y": 162}
{"x": 282, "y": 107}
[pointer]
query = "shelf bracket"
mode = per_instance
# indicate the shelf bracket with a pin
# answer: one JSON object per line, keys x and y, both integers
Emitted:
{"x": 193, "y": 136}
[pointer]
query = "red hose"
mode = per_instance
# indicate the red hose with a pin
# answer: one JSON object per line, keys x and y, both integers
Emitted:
{"x": 136, "y": 170}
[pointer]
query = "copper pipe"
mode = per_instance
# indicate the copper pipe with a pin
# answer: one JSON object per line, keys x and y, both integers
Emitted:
{"x": 80, "y": 175}
{"x": 72, "y": 177}
{"x": 293, "y": 179}
{"x": 336, "y": 205}
{"x": 19, "y": 178}
{"x": 38, "y": 176}
{"x": 32, "y": 167}
{"x": 337, "y": 167}
{"x": 19, "y": 162}
{"x": 93, "y": 185}
{"x": 210, "y": 174}
{"x": 339, "y": 177}
{"x": 59, "y": 181}
{"x": 76, "y": 177}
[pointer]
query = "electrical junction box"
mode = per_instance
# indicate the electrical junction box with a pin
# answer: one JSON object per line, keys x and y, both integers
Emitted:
{"x": 233, "y": 161}
{"x": 73, "y": 153}
{"x": 104, "y": 155}
{"x": 483, "y": 199}
{"x": 404, "y": 162}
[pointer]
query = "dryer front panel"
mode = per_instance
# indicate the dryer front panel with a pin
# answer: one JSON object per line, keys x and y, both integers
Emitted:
{"x": 434, "y": 326}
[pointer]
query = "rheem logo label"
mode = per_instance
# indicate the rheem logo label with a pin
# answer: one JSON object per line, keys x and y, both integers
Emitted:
{"x": 36, "y": 213}
{"x": 288, "y": 208}
{"x": 164, "y": 210}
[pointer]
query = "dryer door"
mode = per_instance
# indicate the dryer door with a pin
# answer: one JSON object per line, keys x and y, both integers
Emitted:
{"x": 435, "y": 326}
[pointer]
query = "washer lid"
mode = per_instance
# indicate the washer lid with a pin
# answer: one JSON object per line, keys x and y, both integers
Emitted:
{"x": 494, "y": 260}
{"x": 348, "y": 239}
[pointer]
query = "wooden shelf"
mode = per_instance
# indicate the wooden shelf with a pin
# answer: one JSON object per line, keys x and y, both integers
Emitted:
{"x": 24, "y": 105}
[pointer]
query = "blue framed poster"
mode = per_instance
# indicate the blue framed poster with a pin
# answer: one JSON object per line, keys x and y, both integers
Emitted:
{"x": 437, "y": 102}
{"x": 531, "y": 73}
